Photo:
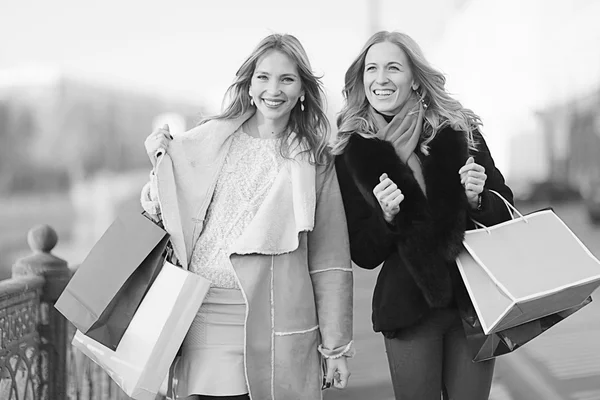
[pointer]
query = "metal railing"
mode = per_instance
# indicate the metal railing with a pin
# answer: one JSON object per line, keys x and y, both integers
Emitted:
{"x": 37, "y": 361}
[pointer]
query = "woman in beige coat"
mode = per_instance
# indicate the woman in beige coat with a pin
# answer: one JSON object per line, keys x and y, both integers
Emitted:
{"x": 252, "y": 203}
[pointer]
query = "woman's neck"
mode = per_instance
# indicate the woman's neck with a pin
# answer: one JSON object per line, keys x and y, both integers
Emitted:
{"x": 388, "y": 118}
{"x": 266, "y": 128}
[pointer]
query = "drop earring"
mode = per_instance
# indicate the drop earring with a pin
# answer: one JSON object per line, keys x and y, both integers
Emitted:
{"x": 302, "y": 103}
{"x": 251, "y": 99}
{"x": 421, "y": 97}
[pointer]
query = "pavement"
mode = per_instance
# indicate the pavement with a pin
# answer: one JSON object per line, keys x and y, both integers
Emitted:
{"x": 561, "y": 364}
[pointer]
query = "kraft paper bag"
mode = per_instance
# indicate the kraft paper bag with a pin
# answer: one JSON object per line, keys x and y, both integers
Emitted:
{"x": 525, "y": 269}
{"x": 150, "y": 344}
{"x": 107, "y": 288}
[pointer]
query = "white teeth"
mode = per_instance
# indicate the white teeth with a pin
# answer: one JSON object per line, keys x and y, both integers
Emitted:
{"x": 273, "y": 103}
{"x": 383, "y": 92}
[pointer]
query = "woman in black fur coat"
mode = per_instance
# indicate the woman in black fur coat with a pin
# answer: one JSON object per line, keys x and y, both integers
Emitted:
{"x": 414, "y": 170}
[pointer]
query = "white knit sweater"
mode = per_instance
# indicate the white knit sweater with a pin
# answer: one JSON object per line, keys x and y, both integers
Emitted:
{"x": 250, "y": 168}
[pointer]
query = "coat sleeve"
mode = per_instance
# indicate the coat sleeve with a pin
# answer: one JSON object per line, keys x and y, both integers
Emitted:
{"x": 493, "y": 210}
{"x": 372, "y": 239}
{"x": 330, "y": 267}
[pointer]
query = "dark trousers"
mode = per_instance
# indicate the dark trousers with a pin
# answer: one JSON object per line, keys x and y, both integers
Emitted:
{"x": 433, "y": 358}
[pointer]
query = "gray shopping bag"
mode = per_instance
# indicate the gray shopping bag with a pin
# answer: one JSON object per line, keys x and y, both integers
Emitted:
{"x": 108, "y": 287}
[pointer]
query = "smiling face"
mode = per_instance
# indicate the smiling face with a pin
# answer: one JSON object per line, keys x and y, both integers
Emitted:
{"x": 276, "y": 86}
{"x": 388, "y": 78}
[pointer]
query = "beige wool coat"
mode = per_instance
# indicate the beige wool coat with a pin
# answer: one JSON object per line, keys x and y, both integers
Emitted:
{"x": 292, "y": 262}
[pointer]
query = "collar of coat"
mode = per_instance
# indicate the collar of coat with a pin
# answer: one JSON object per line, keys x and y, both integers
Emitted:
{"x": 186, "y": 177}
{"x": 429, "y": 229}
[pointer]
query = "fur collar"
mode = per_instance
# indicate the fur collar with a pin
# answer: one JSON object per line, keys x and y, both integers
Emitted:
{"x": 429, "y": 229}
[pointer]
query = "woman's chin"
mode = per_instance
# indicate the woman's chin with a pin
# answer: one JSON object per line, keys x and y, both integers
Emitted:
{"x": 274, "y": 114}
{"x": 383, "y": 108}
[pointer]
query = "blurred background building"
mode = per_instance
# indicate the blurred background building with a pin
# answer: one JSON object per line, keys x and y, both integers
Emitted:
{"x": 76, "y": 144}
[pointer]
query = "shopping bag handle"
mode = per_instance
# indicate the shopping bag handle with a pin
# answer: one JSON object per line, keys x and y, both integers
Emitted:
{"x": 512, "y": 210}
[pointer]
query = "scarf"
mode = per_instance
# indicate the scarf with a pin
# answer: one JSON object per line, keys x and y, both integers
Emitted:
{"x": 404, "y": 132}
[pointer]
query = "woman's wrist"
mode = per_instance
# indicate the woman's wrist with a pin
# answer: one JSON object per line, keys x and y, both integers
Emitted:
{"x": 475, "y": 203}
{"x": 342, "y": 351}
{"x": 389, "y": 218}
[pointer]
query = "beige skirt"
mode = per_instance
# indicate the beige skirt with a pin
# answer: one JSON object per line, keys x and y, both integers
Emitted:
{"x": 212, "y": 360}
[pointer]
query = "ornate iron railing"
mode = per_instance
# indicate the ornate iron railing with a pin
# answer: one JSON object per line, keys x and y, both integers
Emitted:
{"x": 23, "y": 358}
{"x": 37, "y": 361}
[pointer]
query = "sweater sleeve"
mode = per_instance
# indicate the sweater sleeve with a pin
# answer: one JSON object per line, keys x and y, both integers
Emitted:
{"x": 493, "y": 210}
{"x": 372, "y": 239}
{"x": 330, "y": 268}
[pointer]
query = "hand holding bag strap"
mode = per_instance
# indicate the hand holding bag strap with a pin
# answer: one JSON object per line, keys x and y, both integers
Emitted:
{"x": 512, "y": 210}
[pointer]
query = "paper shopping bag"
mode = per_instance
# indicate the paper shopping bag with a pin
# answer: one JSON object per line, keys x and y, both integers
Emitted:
{"x": 107, "y": 288}
{"x": 141, "y": 362}
{"x": 484, "y": 347}
{"x": 525, "y": 269}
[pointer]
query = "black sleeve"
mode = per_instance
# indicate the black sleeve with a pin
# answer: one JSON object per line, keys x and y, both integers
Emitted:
{"x": 372, "y": 239}
{"x": 493, "y": 210}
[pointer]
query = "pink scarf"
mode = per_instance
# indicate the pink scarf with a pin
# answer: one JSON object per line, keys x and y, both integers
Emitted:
{"x": 404, "y": 132}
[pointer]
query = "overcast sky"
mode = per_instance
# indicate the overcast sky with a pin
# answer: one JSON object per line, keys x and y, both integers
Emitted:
{"x": 192, "y": 48}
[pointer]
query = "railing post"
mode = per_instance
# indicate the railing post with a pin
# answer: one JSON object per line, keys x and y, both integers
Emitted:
{"x": 53, "y": 326}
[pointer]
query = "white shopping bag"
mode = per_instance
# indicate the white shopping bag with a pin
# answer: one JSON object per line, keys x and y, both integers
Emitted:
{"x": 142, "y": 359}
{"x": 525, "y": 269}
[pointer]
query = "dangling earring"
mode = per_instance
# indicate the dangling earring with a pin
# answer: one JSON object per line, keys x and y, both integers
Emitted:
{"x": 421, "y": 97}
{"x": 251, "y": 99}
{"x": 302, "y": 103}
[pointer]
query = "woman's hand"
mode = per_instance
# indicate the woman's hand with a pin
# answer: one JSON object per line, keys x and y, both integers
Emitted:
{"x": 157, "y": 143}
{"x": 389, "y": 197}
{"x": 472, "y": 177}
{"x": 337, "y": 372}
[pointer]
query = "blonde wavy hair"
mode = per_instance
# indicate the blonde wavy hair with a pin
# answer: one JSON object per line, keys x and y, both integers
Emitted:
{"x": 442, "y": 110}
{"x": 311, "y": 125}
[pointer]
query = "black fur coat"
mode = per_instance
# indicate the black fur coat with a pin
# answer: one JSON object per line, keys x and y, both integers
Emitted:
{"x": 419, "y": 249}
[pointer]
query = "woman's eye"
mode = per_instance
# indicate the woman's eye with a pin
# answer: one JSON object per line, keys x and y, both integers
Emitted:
{"x": 370, "y": 69}
{"x": 261, "y": 77}
{"x": 288, "y": 80}
{"x": 394, "y": 68}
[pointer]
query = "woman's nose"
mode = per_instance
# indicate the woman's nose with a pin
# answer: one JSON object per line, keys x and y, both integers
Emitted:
{"x": 273, "y": 87}
{"x": 381, "y": 77}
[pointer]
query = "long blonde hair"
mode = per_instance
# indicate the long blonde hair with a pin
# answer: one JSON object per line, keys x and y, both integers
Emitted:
{"x": 311, "y": 125}
{"x": 442, "y": 109}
